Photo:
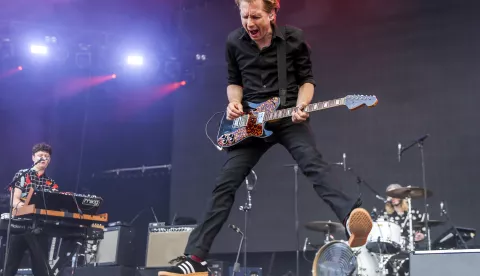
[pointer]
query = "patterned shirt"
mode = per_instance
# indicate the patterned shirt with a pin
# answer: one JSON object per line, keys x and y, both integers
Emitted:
{"x": 32, "y": 180}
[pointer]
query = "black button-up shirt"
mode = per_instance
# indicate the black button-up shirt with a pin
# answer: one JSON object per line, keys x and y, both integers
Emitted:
{"x": 256, "y": 70}
{"x": 32, "y": 180}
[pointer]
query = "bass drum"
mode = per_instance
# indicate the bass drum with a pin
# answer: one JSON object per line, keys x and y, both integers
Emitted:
{"x": 337, "y": 258}
{"x": 385, "y": 238}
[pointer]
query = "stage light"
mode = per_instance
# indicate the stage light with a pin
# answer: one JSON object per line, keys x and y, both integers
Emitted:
{"x": 20, "y": 68}
{"x": 183, "y": 83}
{"x": 135, "y": 60}
{"x": 38, "y": 49}
{"x": 114, "y": 76}
{"x": 201, "y": 57}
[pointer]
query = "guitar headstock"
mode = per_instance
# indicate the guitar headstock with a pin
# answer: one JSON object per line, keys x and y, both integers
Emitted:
{"x": 357, "y": 101}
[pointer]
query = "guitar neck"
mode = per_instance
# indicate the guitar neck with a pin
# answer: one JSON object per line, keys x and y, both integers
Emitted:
{"x": 287, "y": 112}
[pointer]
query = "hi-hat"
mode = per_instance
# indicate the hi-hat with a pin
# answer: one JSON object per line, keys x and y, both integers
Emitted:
{"x": 430, "y": 223}
{"x": 412, "y": 192}
{"x": 325, "y": 226}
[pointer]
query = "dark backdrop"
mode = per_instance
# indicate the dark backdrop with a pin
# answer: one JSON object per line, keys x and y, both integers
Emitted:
{"x": 124, "y": 128}
{"x": 419, "y": 58}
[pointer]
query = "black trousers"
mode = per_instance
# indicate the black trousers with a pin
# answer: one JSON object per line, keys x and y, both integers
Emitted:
{"x": 37, "y": 245}
{"x": 299, "y": 141}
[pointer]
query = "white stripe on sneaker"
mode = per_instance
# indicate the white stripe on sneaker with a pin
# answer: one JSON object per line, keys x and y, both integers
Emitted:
{"x": 183, "y": 269}
{"x": 191, "y": 267}
{"x": 184, "y": 266}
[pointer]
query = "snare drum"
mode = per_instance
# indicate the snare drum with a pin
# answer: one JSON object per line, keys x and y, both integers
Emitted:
{"x": 385, "y": 238}
{"x": 337, "y": 258}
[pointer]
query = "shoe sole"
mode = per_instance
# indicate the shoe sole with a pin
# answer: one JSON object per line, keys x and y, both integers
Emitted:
{"x": 162, "y": 273}
{"x": 360, "y": 224}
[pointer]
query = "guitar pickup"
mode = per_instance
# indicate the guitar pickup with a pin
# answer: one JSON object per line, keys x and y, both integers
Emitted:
{"x": 240, "y": 121}
{"x": 260, "y": 117}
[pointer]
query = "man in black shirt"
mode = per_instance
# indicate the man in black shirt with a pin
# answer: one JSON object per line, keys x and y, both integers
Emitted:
{"x": 251, "y": 55}
{"x": 36, "y": 244}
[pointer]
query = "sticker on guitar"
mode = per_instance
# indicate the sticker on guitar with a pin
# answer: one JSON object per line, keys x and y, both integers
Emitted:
{"x": 232, "y": 132}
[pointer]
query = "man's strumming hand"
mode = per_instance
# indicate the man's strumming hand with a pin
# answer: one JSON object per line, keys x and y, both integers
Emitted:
{"x": 234, "y": 110}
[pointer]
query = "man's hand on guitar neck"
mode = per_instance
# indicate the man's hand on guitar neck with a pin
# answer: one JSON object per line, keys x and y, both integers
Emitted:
{"x": 234, "y": 110}
{"x": 298, "y": 115}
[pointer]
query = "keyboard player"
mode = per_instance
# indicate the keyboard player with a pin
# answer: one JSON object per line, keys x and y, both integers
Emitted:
{"x": 36, "y": 243}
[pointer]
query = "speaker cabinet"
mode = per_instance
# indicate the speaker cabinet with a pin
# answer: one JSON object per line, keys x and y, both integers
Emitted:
{"x": 117, "y": 247}
{"x": 166, "y": 243}
{"x": 445, "y": 262}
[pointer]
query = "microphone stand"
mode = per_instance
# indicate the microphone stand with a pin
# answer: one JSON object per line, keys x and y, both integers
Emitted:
{"x": 362, "y": 181}
{"x": 420, "y": 142}
{"x": 10, "y": 213}
{"x": 236, "y": 266}
{"x": 297, "y": 232}
{"x": 444, "y": 212}
{"x": 246, "y": 208}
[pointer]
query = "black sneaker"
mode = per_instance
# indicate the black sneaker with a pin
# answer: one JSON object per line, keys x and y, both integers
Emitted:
{"x": 185, "y": 266}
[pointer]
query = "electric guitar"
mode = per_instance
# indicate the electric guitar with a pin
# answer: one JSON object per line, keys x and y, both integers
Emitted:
{"x": 252, "y": 124}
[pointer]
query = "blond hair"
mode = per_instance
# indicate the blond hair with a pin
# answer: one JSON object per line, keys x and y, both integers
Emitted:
{"x": 389, "y": 207}
{"x": 270, "y": 5}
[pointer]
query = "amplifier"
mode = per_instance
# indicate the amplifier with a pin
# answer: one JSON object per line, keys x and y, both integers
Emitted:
{"x": 218, "y": 268}
{"x": 166, "y": 243}
{"x": 445, "y": 262}
{"x": 117, "y": 247}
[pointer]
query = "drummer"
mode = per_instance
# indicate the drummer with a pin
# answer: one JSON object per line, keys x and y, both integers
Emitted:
{"x": 396, "y": 211}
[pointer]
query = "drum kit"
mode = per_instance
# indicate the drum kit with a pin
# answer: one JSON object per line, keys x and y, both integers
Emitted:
{"x": 386, "y": 251}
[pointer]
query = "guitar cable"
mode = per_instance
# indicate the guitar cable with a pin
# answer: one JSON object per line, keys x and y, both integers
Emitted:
{"x": 206, "y": 130}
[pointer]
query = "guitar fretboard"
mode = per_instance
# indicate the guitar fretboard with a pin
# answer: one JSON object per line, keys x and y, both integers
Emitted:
{"x": 287, "y": 112}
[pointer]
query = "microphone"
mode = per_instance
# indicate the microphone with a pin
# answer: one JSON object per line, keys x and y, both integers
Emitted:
{"x": 39, "y": 160}
{"x": 399, "y": 152}
{"x": 382, "y": 199}
{"x": 236, "y": 229}
{"x": 423, "y": 138}
{"x": 305, "y": 245}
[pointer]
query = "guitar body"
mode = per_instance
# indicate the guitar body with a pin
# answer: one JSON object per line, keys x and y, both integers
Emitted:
{"x": 231, "y": 132}
{"x": 252, "y": 123}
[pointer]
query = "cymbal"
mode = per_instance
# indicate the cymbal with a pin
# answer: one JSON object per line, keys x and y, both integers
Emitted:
{"x": 412, "y": 192}
{"x": 430, "y": 223}
{"x": 325, "y": 226}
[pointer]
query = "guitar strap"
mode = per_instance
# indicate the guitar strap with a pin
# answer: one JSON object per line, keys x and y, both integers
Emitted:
{"x": 282, "y": 66}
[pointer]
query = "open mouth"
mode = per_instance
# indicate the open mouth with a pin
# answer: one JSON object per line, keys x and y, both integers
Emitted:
{"x": 253, "y": 32}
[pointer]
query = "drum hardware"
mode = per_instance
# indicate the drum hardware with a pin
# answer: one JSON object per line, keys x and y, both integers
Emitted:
{"x": 410, "y": 222}
{"x": 419, "y": 142}
{"x": 246, "y": 209}
{"x": 409, "y": 192}
{"x": 360, "y": 181}
{"x": 297, "y": 223}
{"x": 326, "y": 227}
{"x": 431, "y": 223}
